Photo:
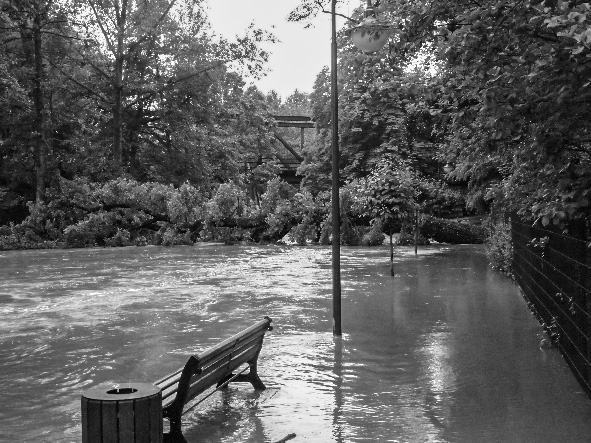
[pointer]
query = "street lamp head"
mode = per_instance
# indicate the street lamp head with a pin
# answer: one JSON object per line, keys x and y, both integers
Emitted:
{"x": 370, "y": 35}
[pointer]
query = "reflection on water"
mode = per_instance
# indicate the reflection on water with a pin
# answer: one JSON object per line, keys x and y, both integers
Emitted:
{"x": 446, "y": 351}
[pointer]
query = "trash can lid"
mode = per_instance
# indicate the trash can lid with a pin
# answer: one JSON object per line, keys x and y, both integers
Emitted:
{"x": 121, "y": 391}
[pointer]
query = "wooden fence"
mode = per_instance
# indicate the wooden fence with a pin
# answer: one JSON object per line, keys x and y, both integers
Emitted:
{"x": 554, "y": 273}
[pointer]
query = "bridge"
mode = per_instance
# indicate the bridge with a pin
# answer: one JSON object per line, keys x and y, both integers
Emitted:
{"x": 289, "y": 156}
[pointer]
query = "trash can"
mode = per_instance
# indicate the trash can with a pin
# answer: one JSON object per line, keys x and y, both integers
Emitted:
{"x": 125, "y": 413}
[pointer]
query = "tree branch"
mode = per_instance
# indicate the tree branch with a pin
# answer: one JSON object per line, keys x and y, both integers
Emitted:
{"x": 61, "y": 35}
{"x": 195, "y": 74}
{"x": 336, "y": 13}
{"x": 103, "y": 30}
{"x": 96, "y": 68}
{"x": 83, "y": 86}
{"x": 117, "y": 11}
{"x": 53, "y": 22}
{"x": 143, "y": 38}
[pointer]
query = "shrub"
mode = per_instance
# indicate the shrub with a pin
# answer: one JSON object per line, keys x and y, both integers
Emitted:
{"x": 450, "y": 231}
{"x": 186, "y": 206}
{"x": 375, "y": 235}
{"x": 120, "y": 238}
{"x": 325, "y": 233}
{"x": 499, "y": 248}
{"x": 22, "y": 236}
{"x": 408, "y": 239}
{"x": 9, "y": 238}
{"x": 95, "y": 228}
{"x": 351, "y": 235}
{"x": 170, "y": 236}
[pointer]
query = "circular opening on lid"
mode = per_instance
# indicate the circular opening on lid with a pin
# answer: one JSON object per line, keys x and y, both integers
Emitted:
{"x": 122, "y": 391}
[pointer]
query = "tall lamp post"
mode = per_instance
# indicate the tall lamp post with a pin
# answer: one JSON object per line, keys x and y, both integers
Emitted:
{"x": 336, "y": 207}
{"x": 369, "y": 36}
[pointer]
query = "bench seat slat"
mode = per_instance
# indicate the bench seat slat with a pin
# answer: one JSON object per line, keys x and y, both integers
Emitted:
{"x": 172, "y": 380}
{"x": 229, "y": 343}
{"x": 253, "y": 340}
{"x": 218, "y": 374}
{"x": 172, "y": 376}
{"x": 168, "y": 382}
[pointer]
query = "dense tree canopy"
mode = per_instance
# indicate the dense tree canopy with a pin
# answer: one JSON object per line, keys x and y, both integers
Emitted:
{"x": 127, "y": 87}
{"x": 498, "y": 88}
{"x": 96, "y": 93}
{"x": 513, "y": 87}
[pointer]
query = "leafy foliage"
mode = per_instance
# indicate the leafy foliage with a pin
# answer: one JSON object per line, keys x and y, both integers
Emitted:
{"x": 450, "y": 231}
{"x": 499, "y": 89}
{"x": 131, "y": 128}
{"x": 140, "y": 89}
{"x": 513, "y": 87}
{"x": 499, "y": 248}
{"x": 390, "y": 190}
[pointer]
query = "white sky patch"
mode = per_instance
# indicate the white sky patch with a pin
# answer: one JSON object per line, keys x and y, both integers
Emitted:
{"x": 301, "y": 53}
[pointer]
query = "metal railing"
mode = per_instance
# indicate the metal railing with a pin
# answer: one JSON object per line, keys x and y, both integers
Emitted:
{"x": 554, "y": 272}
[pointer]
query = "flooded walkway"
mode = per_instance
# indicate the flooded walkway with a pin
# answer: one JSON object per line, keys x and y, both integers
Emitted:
{"x": 446, "y": 351}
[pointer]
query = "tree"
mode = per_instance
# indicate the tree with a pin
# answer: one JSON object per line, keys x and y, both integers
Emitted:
{"x": 385, "y": 109}
{"x": 316, "y": 167}
{"x": 390, "y": 194}
{"x": 148, "y": 54}
{"x": 506, "y": 100}
{"x": 23, "y": 22}
{"x": 127, "y": 88}
{"x": 514, "y": 87}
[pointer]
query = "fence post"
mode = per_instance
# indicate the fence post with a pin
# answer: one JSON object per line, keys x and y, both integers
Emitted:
{"x": 585, "y": 279}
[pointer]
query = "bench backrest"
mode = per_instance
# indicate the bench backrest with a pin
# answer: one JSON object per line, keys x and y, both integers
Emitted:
{"x": 213, "y": 366}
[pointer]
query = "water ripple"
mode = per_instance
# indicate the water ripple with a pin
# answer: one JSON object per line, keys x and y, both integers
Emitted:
{"x": 428, "y": 356}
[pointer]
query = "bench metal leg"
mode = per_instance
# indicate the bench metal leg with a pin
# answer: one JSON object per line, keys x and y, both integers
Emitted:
{"x": 252, "y": 377}
{"x": 174, "y": 438}
{"x": 175, "y": 435}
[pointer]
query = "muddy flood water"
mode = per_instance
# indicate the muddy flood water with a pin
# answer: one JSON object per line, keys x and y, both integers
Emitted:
{"x": 446, "y": 351}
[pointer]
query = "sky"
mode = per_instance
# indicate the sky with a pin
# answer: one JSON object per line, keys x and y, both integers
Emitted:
{"x": 301, "y": 54}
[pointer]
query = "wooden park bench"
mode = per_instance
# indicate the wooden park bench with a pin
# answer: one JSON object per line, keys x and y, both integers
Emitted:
{"x": 215, "y": 366}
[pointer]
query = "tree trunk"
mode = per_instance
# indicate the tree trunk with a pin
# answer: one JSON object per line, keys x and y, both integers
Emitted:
{"x": 118, "y": 89}
{"x": 40, "y": 141}
{"x": 118, "y": 114}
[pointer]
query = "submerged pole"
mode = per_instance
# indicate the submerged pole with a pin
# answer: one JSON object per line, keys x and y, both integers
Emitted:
{"x": 416, "y": 232}
{"x": 336, "y": 219}
{"x": 391, "y": 252}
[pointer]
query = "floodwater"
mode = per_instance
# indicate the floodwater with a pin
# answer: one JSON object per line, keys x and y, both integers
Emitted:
{"x": 446, "y": 351}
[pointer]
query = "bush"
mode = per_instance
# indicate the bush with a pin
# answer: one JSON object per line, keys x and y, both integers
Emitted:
{"x": 499, "y": 248}
{"x": 408, "y": 239}
{"x": 350, "y": 235}
{"x": 170, "y": 236}
{"x": 229, "y": 215}
{"x": 186, "y": 206}
{"x": 96, "y": 227}
{"x": 121, "y": 238}
{"x": 325, "y": 233}
{"x": 300, "y": 234}
{"x": 80, "y": 213}
{"x": 450, "y": 231}
{"x": 375, "y": 235}
{"x": 22, "y": 237}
